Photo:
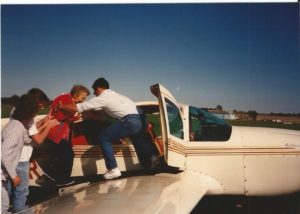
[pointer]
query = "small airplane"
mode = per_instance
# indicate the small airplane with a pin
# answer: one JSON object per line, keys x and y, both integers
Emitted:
{"x": 212, "y": 158}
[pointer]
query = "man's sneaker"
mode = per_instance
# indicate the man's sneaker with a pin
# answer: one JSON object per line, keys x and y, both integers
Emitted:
{"x": 67, "y": 182}
{"x": 113, "y": 173}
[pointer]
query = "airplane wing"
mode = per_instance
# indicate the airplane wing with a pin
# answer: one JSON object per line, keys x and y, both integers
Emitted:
{"x": 162, "y": 193}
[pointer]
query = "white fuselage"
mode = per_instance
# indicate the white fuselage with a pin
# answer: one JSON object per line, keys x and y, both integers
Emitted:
{"x": 267, "y": 164}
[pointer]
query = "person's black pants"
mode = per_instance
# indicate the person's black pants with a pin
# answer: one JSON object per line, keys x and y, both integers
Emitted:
{"x": 59, "y": 157}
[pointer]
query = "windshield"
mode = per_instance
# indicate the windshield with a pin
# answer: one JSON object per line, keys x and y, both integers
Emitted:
{"x": 174, "y": 119}
{"x": 207, "y": 127}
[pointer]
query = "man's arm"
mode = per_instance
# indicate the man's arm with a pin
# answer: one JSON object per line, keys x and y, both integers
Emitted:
{"x": 96, "y": 103}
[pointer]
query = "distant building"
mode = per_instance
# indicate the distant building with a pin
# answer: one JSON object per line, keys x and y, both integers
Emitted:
{"x": 242, "y": 116}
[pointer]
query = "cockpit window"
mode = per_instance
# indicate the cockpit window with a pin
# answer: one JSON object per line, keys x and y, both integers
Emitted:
{"x": 175, "y": 120}
{"x": 207, "y": 127}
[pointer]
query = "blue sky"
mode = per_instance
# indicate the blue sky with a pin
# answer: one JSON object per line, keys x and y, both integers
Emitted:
{"x": 241, "y": 56}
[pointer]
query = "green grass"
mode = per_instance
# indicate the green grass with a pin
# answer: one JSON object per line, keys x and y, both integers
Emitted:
{"x": 268, "y": 124}
{"x": 6, "y": 109}
{"x": 155, "y": 121}
{"x": 43, "y": 111}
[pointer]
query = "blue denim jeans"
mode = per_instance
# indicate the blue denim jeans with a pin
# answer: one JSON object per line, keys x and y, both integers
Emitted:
{"x": 19, "y": 193}
{"x": 132, "y": 126}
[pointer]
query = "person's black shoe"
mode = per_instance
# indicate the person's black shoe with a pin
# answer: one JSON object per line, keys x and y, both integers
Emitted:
{"x": 64, "y": 183}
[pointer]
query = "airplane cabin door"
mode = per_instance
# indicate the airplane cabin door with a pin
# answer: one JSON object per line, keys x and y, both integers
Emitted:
{"x": 171, "y": 117}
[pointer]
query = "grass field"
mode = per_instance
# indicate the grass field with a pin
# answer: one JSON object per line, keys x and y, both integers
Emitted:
{"x": 5, "y": 110}
{"x": 268, "y": 124}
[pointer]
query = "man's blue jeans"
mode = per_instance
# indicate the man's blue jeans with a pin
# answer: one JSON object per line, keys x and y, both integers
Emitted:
{"x": 132, "y": 125}
{"x": 19, "y": 193}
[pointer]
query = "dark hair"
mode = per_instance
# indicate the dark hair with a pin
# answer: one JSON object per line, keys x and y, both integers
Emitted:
{"x": 26, "y": 108}
{"x": 100, "y": 83}
{"x": 39, "y": 96}
{"x": 78, "y": 89}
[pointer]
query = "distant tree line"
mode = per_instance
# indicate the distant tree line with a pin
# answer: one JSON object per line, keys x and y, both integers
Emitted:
{"x": 272, "y": 113}
{"x": 285, "y": 114}
{"x": 218, "y": 108}
{"x": 9, "y": 100}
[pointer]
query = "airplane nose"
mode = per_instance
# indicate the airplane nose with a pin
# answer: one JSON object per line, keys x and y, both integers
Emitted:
{"x": 271, "y": 160}
{"x": 270, "y": 137}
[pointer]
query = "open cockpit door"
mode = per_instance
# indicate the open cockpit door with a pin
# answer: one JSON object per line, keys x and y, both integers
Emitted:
{"x": 171, "y": 117}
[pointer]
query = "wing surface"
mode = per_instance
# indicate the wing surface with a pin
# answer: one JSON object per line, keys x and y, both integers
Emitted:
{"x": 162, "y": 193}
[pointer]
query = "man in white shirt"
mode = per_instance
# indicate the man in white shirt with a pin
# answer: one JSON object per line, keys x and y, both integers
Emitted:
{"x": 130, "y": 123}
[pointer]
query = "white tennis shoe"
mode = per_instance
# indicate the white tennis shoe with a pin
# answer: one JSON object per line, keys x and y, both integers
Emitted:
{"x": 113, "y": 173}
